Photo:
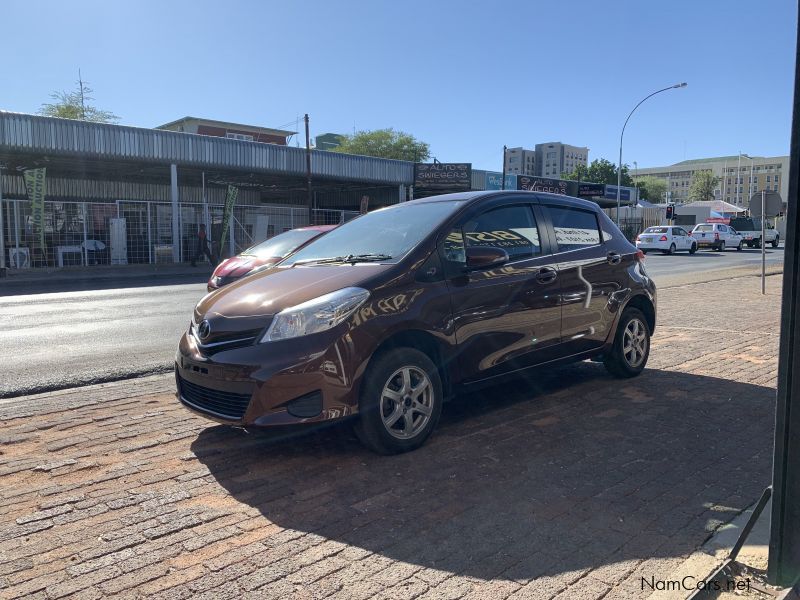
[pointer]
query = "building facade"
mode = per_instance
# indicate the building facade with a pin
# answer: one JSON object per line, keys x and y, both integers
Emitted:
{"x": 554, "y": 159}
{"x": 231, "y": 131}
{"x": 740, "y": 176}
{"x": 520, "y": 161}
{"x": 551, "y": 159}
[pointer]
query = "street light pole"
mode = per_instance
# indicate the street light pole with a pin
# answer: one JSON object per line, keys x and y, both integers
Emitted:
{"x": 621, "y": 135}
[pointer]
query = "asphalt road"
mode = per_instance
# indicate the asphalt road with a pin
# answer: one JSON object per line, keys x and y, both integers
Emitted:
{"x": 68, "y": 338}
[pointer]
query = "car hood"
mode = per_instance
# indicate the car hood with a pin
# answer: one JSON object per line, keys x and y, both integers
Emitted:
{"x": 257, "y": 298}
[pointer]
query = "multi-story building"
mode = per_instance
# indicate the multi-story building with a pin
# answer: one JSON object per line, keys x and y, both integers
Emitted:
{"x": 740, "y": 176}
{"x": 554, "y": 159}
{"x": 234, "y": 131}
{"x": 551, "y": 159}
{"x": 521, "y": 161}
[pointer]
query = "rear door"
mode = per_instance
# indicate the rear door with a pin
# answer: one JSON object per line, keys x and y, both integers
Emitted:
{"x": 589, "y": 272}
{"x": 509, "y": 317}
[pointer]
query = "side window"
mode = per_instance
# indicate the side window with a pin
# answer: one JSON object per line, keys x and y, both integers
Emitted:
{"x": 511, "y": 228}
{"x": 574, "y": 228}
{"x": 723, "y": 229}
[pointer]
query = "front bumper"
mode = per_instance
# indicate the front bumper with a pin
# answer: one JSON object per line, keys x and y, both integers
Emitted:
{"x": 278, "y": 383}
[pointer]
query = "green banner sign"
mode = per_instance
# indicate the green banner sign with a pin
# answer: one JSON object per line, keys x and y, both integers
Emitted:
{"x": 230, "y": 200}
{"x": 35, "y": 184}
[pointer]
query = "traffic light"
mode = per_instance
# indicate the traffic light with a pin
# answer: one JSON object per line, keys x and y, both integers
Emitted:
{"x": 670, "y": 211}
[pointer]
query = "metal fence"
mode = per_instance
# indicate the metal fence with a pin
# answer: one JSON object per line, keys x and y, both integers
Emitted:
{"x": 634, "y": 220}
{"x": 140, "y": 232}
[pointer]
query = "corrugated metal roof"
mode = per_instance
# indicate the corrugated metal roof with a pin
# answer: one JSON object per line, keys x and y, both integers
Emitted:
{"x": 48, "y": 135}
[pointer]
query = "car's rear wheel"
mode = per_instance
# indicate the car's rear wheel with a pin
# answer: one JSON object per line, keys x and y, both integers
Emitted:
{"x": 401, "y": 400}
{"x": 671, "y": 249}
{"x": 693, "y": 249}
{"x": 631, "y": 347}
{"x": 776, "y": 241}
{"x": 721, "y": 247}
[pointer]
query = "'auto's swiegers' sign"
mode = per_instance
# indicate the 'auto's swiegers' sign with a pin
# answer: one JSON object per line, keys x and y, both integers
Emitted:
{"x": 542, "y": 184}
{"x": 443, "y": 176}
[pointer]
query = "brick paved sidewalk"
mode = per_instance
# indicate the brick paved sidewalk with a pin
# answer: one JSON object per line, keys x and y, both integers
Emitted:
{"x": 570, "y": 485}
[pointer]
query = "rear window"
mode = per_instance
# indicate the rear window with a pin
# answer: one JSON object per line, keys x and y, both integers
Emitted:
{"x": 704, "y": 228}
{"x": 656, "y": 230}
{"x": 574, "y": 228}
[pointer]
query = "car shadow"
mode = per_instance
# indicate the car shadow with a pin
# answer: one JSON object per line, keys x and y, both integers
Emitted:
{"x": 565, "y": 470}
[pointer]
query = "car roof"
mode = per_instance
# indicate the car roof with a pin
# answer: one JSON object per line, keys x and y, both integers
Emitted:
{"x": 472, "y": 197}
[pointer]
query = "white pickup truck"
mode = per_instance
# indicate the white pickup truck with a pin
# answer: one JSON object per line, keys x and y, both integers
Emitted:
{"x": 750, "y": 228}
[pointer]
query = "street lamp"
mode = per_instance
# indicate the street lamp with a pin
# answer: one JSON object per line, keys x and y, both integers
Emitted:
{"x": 619, "y": 168}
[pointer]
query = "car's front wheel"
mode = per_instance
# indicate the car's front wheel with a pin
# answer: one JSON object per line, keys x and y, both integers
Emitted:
{"x": 776, "y": 241}
{"x": 631, "y": 347}
{"x": 401, "y": 400}
{"x": 693, "y": 249}
{"x": 739, "y": 247}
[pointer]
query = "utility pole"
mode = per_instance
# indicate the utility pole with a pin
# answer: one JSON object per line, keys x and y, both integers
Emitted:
{"x": 503, "y": 180}
{"x": 83, "y": 100}
{"x": 308, "y": 170}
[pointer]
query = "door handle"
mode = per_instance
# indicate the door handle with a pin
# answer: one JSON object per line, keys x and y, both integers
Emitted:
{"x": 546, "y": 275}
{"x": 614, "y": 258}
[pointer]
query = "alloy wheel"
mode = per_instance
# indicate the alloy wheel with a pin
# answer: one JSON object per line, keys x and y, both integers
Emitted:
{"x": 406, "y": 403}
{"x": 634, "y": 342}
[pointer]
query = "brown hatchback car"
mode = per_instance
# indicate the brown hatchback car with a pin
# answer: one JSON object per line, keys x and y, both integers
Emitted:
{"x": 391, "y": 313}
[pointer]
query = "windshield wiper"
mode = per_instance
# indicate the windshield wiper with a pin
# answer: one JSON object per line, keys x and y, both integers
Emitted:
{"x": 350, "y": 258}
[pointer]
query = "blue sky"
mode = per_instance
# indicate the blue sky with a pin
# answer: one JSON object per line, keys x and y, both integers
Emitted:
{"x": 467, "y": 77}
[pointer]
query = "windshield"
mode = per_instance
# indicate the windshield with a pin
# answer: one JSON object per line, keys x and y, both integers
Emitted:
{"x": 282, "y": 244}
{"x": 389, "y": 232}
{"x": 656, "y": 230}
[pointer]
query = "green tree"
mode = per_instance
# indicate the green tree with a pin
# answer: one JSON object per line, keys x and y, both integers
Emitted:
{"x": 703, "y": 185}
{"x": 652, "y": 188}
{"x": 77, "y": 104}
{"x": 600, "y": 171}
{"x": 385, "y": 143}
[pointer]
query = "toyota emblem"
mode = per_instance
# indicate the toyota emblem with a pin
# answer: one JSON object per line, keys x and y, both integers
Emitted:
{"x": 204, "y": 330}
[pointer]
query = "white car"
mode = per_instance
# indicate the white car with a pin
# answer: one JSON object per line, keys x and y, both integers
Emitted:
{"x": 667, "y": 238}
{"x": 717, "y": 236}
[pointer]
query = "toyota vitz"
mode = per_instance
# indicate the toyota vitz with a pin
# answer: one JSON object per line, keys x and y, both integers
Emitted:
{"x": 391, "y": 313}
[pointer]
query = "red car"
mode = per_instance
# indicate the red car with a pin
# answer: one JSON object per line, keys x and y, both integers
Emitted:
{"x": 265, "y": 254}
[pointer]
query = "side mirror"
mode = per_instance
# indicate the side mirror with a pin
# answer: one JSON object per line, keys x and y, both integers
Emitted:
{"x": 485, "y": 257}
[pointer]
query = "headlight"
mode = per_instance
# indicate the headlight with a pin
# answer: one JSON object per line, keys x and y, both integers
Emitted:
{"x": 315, "y": 315}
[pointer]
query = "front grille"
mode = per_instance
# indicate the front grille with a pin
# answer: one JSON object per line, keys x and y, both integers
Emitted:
{"x": 221, "y": 404}
{"x": 226, "y": 341}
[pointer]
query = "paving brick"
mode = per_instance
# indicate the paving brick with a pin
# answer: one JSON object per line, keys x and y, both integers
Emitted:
{"x": 566, "y": 483}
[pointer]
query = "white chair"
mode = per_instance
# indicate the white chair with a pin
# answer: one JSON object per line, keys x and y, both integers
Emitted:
{"x": 92, "y": 247}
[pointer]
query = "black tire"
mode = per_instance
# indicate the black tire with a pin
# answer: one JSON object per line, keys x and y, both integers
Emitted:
{"x": 739, "y": 247}
{"x": 671, "y": 249}
{"x": 384, "y": 371}
{"x": 721, "y": 247}
{"x": 693, "y": 249}
{"x": 757, "y": 243}
{"x": 616, "y": 361}
{"x": 776, "y": 241}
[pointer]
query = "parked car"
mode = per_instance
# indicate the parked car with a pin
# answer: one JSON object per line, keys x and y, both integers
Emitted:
{"x": 750, "y": 228}
{"x": 264, "y": 255}
{"x": 391, "y": 313}
{"x": 717, "y": 236}
{"x": 669, "y": 239}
